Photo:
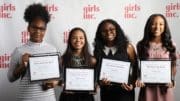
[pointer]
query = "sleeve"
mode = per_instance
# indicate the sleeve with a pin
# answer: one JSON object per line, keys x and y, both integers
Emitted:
{"x": 98, "y": 57}
{"x": 13, "y": 64}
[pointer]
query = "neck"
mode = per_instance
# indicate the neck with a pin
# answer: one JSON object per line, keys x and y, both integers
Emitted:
{"x": 35, "y": 41}
{"x": 110, "y": 44}
{"x": 77, "y": 52}
{"x": 156, "y": 40}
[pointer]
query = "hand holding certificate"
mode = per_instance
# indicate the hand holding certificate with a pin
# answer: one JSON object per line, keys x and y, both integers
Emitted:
{"x": 43, "y": 67}
{"x": 114, "y": 70}
{"x": 154, "y": 71}
{"x": 79, "y": 79}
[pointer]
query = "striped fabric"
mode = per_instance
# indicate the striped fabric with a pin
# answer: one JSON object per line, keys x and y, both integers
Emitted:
{"x": 30, "y": 91}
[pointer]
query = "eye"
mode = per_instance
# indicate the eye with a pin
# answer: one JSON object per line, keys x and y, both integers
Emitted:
{"x": 161, "y": 24}
{"x": 81, "y": 37}
{"x": 107, "y": 30}
{"x": 73, "y": 38}
{"x": 35, "y": 28}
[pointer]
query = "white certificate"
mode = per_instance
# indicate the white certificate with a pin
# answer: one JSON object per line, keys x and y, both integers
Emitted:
{"x": 115, "y": 70}
{"x": 44, "y": 67}
{"x": 156, "y": 71}
{"x": 78, "y": 79}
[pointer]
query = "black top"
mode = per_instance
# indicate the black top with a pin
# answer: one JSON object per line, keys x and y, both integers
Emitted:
{"x": 76, "y": 62}
{"x": 115, "y": 92}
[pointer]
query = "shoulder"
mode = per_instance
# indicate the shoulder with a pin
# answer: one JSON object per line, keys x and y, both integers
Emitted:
{"x": 130, "y": 48}
{"x": 139, "y": 43}
{"x": 20, "y": 49}
{"x": 50, "y": 46}
{"x": 173, "y": 43}
{"x": 93, "y": 61}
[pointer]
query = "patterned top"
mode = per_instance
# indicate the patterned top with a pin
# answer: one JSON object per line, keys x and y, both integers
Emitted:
{"x": 158, "y": 92}
{"x": 77, "y": 61}
{"x": 28, "y": 90}
{"x": 157, "y": 51}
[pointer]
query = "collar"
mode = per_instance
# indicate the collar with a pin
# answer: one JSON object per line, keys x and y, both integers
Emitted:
{"x": 107, "y": 49}
{"x": 34, "y": 43}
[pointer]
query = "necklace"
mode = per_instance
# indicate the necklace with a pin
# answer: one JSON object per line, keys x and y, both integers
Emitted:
{"x": 77, "y": 60}
{"x": 156, "y": 46}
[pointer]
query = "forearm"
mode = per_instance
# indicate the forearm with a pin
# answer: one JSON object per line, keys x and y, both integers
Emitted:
{"x": 19, "y": 70}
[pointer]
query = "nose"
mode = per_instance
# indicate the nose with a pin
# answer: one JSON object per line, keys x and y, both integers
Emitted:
{"x": 157, "y": 25}
{"x": 37, "y": 31}
{"x": 78, "y": 39}
{"x": 111, "y": 30}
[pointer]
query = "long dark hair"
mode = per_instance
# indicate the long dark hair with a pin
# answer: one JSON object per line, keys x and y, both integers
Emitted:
{"x": 121, "y": 40}
{"x": 69, "y": 50}
{"x": 143, "y": 45}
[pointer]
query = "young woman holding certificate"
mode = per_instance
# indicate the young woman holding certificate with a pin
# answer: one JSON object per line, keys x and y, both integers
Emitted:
{"x": 77, "y": 55}
{"x": 157, "y": 44}
{"x": 111, "y": 43}
{"x": 37, "y": 17}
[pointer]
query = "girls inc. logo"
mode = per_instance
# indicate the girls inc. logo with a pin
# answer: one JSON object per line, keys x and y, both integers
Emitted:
{"x": 24, "y": 37}
{"x": 130, "y": 11}
{"x": 52, "y": 8}
{"x": 172, "y": 10}
{"x": 4, "y": 60}
{"x": 6, "y": 10}
{"x": 66, "y": 35}
{"x": 89, "y": 11}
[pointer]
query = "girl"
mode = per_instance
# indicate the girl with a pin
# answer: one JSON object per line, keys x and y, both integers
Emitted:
{"x": 77, "y": 54}
{"x": 110, "y": 42}
{"x": 37, "y": 17}
{"x": 157, "y": 44}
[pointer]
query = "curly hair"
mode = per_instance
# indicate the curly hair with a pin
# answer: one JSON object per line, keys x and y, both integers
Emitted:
{"x": 36, "y": 10}
{"x": 143, "y": 44}
{"x": 121, "y": 40}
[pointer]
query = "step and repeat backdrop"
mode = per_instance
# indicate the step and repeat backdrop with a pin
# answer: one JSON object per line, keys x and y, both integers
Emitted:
{"x": 66, "y": 14}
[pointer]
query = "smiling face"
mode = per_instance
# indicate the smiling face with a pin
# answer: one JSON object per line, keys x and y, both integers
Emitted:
{"x": 158, "y": 26}
{"x": 37, "y": 30}
{"x": 77, "y": 40}
{"x": 109, "y": 32}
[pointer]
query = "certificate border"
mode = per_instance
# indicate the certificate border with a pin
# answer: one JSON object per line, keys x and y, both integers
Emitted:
{"x": 80, "y": 91}
{"x": 156, "y": 60}
{"x": 113, "y": 83}
{"x": 44, "y": 55}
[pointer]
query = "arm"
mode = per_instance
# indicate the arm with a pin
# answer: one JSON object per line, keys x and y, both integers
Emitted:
{"x": 22, "y": 66}
{"x": 17, "y": 65}
{"x": 173, "y": 65}
{"x": 61, "y": 81}
{"x": 134, "y": 64}
{"x": 94, "y": 64}
{"x": 173, "y": 73}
